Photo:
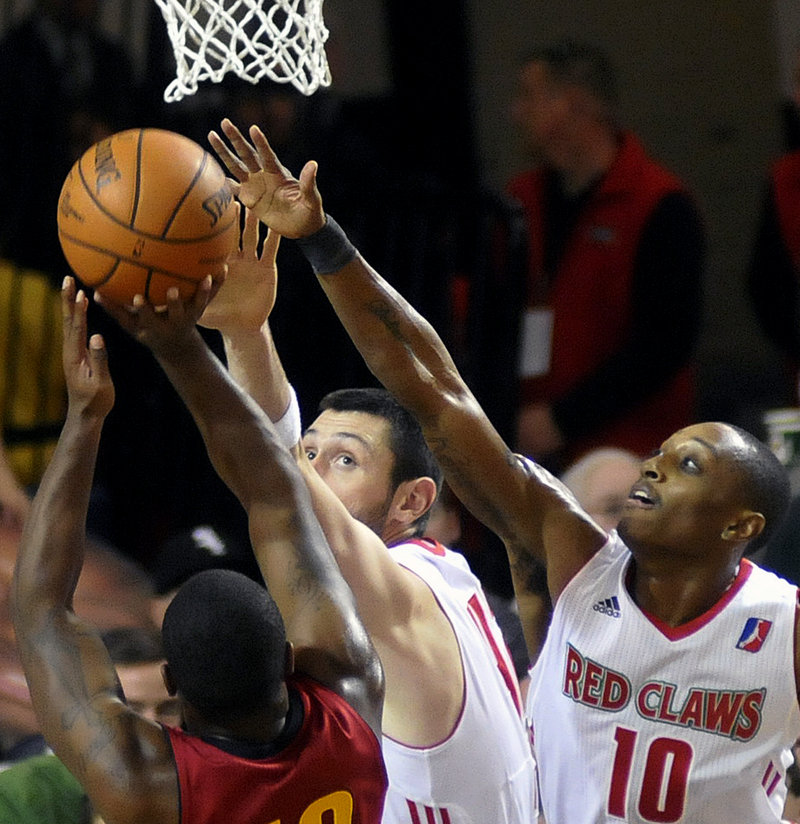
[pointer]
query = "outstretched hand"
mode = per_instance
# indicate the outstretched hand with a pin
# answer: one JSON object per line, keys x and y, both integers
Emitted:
{"x": 89, "y": 385}
{"x": 164, "y": 330}
{"x": 289, "y": 206}
{"x": 246, "y": 298}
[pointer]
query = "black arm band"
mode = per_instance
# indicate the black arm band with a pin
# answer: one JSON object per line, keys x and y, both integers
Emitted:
{"x": 328, "y": 249}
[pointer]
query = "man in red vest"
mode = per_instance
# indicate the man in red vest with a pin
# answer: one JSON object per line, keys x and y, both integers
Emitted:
{"x": 614, "y": 284}
{"x": 774, "y": 274}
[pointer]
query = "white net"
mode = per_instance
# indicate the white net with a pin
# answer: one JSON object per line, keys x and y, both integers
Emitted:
{"x": 283, "y": 40}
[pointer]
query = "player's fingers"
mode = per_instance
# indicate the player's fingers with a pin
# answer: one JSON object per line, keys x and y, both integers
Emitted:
{"x": 73, "y": 312}
{"x": 98, "y": 357}
{"x": 271, "y": 243}
{"x": 123, "y": 315}
{"x": 109, "y": 307}
{"x": 67, "y": 306}
{"x": 144, "y": 312}
{"x": 81, "y": 305}
{"x": 247, "y": 154}
{"x": 269, "y": 160}
{"x": 308, "y": 179}
{"x": 67, "y": 296}
{"x": 175, "y": 308}
{"x": 198, "y": 302}
{"x": 232, "y": 163}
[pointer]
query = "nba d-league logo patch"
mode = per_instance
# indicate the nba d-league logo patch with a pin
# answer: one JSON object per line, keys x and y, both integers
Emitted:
{"x": 754, "y": 634}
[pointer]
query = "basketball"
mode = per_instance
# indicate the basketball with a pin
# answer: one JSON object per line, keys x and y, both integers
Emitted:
{"x": 144, "y": 210}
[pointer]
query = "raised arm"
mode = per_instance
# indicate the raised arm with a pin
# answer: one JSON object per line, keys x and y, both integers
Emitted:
{"x": 121, "y": 759}
{"x": 318, "y": 608}
{"x": 530, "y": 510}
{"x": 385, "y": 592}
{"x": 240, "y": 311}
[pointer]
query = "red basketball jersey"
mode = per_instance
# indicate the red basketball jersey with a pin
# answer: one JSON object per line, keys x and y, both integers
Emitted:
{"x": 332, "y": 765}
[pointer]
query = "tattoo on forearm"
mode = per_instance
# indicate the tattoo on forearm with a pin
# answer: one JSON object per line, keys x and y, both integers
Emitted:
{"x": 384, "y": 312}
{"x": 302, "y": 580}
{"x": 462, "y": 477}
{"x": 64, "y": 654}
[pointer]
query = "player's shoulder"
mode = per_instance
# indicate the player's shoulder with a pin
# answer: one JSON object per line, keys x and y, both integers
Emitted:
{"x": 768, "y": 582}
{"x": 427, "y": 552}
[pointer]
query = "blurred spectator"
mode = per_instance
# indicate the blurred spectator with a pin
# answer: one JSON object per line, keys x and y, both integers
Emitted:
{"x": 194, "y": 550}
{"x": 773, "y": 284}
{"x": 791, "y": 111}
{"x": 14, "y": 500}
{"x": 40, "y": 789}
{"x": 138, "y": 655}
{"x": 112, "y": 591}
{"x": 614, "y": 290}
{"x": 601, "y": 480}
{"x": 774, "y": 274}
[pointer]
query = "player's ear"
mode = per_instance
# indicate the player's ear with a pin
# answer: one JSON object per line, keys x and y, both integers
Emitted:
{"x": 414, "y": 498}
{"x": 747, "y": 526}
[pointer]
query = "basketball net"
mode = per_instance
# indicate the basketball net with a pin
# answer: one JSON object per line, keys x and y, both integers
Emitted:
{"x": 283, "y": 40}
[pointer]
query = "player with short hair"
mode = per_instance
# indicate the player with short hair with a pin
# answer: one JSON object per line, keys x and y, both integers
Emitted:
{"x": 412, "y": 458}
{"x": 450, "y": 680}
{"x": 262, "y": 740}
{"x": 677, "y": 700}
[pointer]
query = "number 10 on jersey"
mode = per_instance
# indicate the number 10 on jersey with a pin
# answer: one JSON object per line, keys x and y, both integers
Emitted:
{"x": 661, "y": 773}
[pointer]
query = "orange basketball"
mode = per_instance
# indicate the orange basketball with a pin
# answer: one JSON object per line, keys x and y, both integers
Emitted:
{"x": 143, "y": 210}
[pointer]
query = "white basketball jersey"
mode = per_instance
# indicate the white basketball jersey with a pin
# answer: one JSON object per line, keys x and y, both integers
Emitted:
{"x": 637, "y": 721}
{"x": 483, "y": 773}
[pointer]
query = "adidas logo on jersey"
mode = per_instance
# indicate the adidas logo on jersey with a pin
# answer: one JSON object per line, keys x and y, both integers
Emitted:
{"x": 608, "y": 606}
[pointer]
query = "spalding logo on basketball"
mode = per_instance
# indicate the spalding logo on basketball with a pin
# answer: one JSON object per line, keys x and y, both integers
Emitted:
{"x": 143, "y": 210}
